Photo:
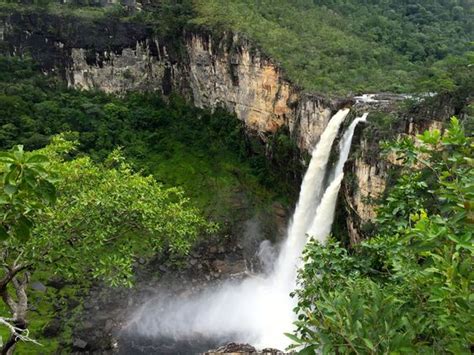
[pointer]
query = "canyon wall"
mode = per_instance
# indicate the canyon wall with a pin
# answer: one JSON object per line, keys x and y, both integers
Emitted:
{"x": 227, "y": 72}
{"x": 211, "y": 71}
{"x": 224, "y": 71}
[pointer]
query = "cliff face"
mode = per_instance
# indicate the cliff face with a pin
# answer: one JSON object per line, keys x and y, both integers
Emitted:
{"x": 233, "y": 74}
{"x": 116, "y": 57}
{"x": 226, "y": 71}
{"x": 369, "y": 172}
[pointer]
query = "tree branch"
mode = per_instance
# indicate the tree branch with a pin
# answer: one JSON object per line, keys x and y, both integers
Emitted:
{"x": 8, "y": 300}
{"x": 19, "y": 333}
{"x": 11, "y": 273}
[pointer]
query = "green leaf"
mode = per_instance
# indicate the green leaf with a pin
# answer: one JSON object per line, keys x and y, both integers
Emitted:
{"x": 12, "y": 175}
{"x": 307, "y": 351}
{"x": 6, "y": 157}
{"x": 22, "y": 229}
{"x": 4, "y": 200}
{"x": 18, "y": 152}
{"x": 48, "y": 191}
{"x": 37, "y": 159}
{"x": 369, "y": 344}
{"x": 294, "y": 338}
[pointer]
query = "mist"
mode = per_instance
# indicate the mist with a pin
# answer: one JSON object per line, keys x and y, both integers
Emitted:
{"x": 257, "y": 309}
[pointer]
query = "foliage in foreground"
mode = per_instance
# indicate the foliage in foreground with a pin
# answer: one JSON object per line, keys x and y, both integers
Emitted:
{"x": 410, "y": 288}
{"x": 101, "y": 218}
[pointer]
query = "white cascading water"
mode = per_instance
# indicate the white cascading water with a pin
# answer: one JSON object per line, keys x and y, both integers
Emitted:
{"x": 322, "y": 223}
{"x": 259, "y": 310}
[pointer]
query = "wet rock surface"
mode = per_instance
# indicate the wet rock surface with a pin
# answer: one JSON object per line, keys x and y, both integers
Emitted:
{"x": 106, "y": 311}
{"x": 235, "y": 348}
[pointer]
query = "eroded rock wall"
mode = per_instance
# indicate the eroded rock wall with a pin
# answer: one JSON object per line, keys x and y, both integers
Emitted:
{"x": 233, "y": 74}
{"x": 228, "y": 72}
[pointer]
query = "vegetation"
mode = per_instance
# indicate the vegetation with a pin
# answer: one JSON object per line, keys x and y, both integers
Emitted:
{"x": 75, "y": 206}
{"x": 327, "y": 46}
{"x": 350, "y": 46}
{"x": 409, "y": 288}
{"x": 104, "y": 216}
{"x": 204, "y": 153}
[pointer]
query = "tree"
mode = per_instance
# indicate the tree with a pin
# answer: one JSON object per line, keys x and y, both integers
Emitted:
{"x": 26, "y": 188}
{"x": 104, "y": 217}
{"x": 409, "y": 288}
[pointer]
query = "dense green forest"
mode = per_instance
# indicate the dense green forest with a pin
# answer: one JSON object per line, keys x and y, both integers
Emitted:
{"x": 181, "y": 145}
{"x": 353, "y": 46}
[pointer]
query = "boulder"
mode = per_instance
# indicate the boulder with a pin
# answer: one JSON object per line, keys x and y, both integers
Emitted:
{"x": 38, "y": 286}
{"x": 78, "y": 343}
{"x": 229, "y": 267}
{"x": 233, "y": 348}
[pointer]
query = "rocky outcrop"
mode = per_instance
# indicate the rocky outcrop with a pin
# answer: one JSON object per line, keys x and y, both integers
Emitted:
{"x": 233, "y": 74}
{"x": 226, "y": 72}
{"x": 132, "y": 68}
{"x": 241, "y": 349}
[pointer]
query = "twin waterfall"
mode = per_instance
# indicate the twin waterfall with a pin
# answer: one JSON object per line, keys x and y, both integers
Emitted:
{"x": 258, "y": 310}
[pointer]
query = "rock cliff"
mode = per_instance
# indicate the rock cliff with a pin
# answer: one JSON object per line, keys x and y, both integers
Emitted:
{"x": 213, "y": 71}
{"x": 369, "y": 173}
{"x": 224, "y": 71}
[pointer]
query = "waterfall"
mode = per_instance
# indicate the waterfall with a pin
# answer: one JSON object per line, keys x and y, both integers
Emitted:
{"x": 311, "y": 189}
{"x": 322, "y": 223}
{"x": 345, "y": 144}
{"x": 312, "y": 184}
{"x": 259, "y": 310}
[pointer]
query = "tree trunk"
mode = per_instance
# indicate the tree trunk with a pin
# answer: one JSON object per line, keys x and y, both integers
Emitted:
{"x": 19, "y": 309}
{"x": 9, "y": 346}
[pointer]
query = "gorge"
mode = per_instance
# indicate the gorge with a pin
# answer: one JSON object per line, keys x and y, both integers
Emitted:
{"x": 210, "y": 70}
{"x": 214, "y": 111}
